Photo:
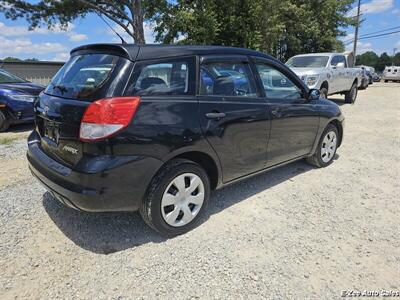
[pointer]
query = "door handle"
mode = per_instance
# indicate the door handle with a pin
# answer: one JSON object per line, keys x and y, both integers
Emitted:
{"x": 215, "y": 115}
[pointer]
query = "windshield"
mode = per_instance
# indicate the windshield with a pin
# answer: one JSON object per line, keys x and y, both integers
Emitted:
{"x": 6, "y": 77}
{"x": 308, "y": 61}
{"x": 82, "y": 76}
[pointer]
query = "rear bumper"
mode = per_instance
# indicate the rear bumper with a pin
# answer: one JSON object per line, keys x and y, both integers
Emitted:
{"x": 388, "y": 77}
{"x": 108, "y": 183}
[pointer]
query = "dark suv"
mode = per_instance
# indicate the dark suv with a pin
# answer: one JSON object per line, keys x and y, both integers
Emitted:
{"x": 156, "y": 128}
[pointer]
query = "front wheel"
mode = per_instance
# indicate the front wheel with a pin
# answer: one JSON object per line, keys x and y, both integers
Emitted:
{"x": 326, "y": 148}
{"x": 4, "y": 123}
{"x": 351, "y": 96}
{"x": 177, "y": 198}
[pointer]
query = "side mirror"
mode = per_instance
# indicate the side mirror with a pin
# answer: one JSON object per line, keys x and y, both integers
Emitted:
{"x": 340, "y": 65}
{"x": 313, "y": 94}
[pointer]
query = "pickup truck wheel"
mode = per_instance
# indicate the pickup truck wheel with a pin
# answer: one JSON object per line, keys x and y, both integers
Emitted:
{"x": 177, "y": 198}
{"x": 326, "y": 148}
{"x": 4, "y": 123}
{"x": 350, "y": 96}
{"x": 324, "y": 93}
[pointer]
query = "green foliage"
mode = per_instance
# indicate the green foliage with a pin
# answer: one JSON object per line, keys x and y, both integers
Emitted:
{"x": 128, "y": 14}
{"x": 186, "y": 22}
{"x": 396, "y": 59}
{"x": 371, "y": 59}
{"x": 368, "y": 58}
{"x": 7, "y": 140}
{"x": 383, "y": 61}
{"x": 14, "y": 59}
{"x": 280, "y": 27}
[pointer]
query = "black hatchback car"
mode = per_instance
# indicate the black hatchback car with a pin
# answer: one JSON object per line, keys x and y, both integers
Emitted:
{"x": 156, "y": 128}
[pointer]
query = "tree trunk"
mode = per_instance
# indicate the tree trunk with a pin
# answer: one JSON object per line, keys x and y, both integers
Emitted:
{"x": 138, "y": 31}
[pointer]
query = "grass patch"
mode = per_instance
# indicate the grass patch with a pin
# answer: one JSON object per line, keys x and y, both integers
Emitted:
{"x": 7, "y": 140}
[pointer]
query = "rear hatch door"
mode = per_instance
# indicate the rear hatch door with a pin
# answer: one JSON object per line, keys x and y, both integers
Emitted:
{"x": 84, "y": 79}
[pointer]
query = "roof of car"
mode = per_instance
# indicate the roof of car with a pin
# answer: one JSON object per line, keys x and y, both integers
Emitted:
{"x": 142, "y": 52}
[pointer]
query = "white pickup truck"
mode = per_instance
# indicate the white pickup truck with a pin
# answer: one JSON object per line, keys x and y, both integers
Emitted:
{"x": 328, "y": 72}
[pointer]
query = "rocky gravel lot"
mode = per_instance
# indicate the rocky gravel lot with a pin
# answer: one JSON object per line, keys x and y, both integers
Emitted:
{"x": 293, "y": 233}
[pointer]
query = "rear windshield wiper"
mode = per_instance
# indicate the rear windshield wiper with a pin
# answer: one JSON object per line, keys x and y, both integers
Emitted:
{"x": 62, "y": 88}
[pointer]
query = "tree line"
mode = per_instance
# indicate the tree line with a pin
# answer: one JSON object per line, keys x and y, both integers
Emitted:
{"x": 15, "y": 59}
{"x": 379, "y": 62}
{"x": 281, "y": 28}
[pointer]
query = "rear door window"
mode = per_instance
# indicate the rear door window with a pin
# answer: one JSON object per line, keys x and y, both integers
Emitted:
{"x": 227, "y": 79}
{"x": 86, "y": 77}
{"x": 167, "y": 77}
{"x": 338, "y": 59}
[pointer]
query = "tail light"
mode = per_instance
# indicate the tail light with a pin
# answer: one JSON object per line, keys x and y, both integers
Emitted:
{"x": 106, "y": 117}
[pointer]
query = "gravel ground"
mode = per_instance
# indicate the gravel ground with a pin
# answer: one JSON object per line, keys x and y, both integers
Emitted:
{"x": 295, "y": 232}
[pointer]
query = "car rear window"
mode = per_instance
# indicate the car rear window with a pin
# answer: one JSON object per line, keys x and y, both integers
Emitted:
{"x": 83, "y": 76}
{"x": 164, "y": 78}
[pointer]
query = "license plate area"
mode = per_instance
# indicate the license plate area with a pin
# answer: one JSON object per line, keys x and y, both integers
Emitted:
{"x": 51, "y": 130}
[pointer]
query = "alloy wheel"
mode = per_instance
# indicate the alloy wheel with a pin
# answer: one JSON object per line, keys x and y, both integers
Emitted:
{"x": 182, "y": 199}
{"x": 328, "y": 146}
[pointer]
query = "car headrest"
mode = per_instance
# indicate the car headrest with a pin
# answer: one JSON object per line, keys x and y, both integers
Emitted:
{"x": 150, "y": 81}
{"x": 224, "y": 85}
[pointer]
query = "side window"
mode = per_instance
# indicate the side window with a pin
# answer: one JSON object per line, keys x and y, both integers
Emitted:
{"x": 276, "y": 84}
{"x": 334, "y": 61}
{"x": 342, "y": 59}
{"x": 338, "y": 59}
{"x": 227, "y": 79}
{"x": 167, "y": 78}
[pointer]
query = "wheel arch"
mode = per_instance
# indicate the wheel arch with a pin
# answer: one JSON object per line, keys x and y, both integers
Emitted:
{"x": 339, "y": 128}
{"x": 206, "y": 162}
{"x": 335, "y": 121}
{"x": 325, "y": 84}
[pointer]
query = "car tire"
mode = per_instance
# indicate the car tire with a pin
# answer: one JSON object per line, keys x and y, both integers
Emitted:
{"x": 326, "y": 148}
{"x": 166, "y": 208}
{"x": 351, "y": 96}
{"x": 386, "y": 81}
{"x": 324, "y": 93}
{"x": 4, "y": 123}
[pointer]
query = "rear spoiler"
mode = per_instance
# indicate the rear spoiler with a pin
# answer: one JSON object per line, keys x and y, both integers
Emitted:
{"x": 128, "y": 51}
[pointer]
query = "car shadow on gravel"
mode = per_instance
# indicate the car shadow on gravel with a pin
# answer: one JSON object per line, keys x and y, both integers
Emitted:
{"x": 102, "y": 233}
{"x": 106, "y": 233}
{"x": 339, "y": 101}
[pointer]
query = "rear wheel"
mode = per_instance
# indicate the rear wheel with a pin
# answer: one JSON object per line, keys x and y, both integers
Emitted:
{"x": 324, "y": 93}
{"x": 386, "y": 81}
{"x": 177, "y": 198}
{"x": 326, "y": 149}
{"x": 351, "y": 96}
{"x": 4, "y": 123}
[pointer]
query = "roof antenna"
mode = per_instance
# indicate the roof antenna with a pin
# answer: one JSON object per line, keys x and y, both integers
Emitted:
{"x": 122, "y": 40}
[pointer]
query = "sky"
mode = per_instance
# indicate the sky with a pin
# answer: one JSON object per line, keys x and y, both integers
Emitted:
{"x": 54, "y": 45}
